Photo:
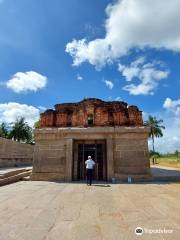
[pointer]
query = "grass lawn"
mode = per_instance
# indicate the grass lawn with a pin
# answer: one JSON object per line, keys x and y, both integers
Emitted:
{"x": 170, "y": 161}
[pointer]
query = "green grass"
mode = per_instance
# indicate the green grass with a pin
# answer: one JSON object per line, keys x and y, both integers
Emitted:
{"x": 167, "y": 160}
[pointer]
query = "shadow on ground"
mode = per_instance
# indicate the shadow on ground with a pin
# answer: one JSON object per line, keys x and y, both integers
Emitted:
{"x": 164, "y": 171}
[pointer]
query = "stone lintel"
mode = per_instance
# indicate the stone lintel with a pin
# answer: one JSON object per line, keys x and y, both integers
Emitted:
{"x": 94, "y": 130}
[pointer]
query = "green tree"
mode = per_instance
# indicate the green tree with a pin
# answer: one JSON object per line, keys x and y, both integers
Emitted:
{"x": 176, "y": 153}
{"x": 37, "y": 124}
{"x": 3, "y": 130}
{"x": 151, "y": 153}
{"x": 21, "y": 131}
{"x": 155, "y": 128}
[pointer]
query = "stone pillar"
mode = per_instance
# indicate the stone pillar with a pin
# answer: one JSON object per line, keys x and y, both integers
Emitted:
{"x": 69, "y": 159}
{"x": 110, "y": 159}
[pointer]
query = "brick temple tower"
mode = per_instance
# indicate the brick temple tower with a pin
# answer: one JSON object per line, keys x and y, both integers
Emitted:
{"x": 110, "y": 131}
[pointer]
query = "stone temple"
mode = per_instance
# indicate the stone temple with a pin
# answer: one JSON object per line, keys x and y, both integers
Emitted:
{"x": 111, "y": 132}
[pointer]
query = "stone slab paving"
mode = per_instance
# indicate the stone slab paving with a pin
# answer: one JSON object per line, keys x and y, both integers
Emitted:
{"x": 161, "y": 171}
{"x": 74, "y": 211}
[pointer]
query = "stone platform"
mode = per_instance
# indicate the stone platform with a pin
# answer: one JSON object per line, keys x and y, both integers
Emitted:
{"x": 74, "y": 211}
{"x": 11, "y": 175}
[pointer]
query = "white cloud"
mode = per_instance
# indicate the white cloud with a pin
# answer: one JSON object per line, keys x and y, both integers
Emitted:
{"x": 118, "y": 99}
{"x": 177, "y": 122}
{"x": 131, "y": 24}
{"x": 42, "y": 108}
{"x": 172, "y": 105}
{"x": 28, "y": 81}
{"x": 149, "y": 74}
{"x": 170, "y": 140}
{"x": 145, "y": 115}
{"x": 109, "y": 84}
{"x": 133, "y": 70}
{"x": 110, "y": 98}
{"x": 91, "y": 30}
{"x": 96, "y": 52}
{"x": 12, "y": 110}
{"x": 79, "y": 77}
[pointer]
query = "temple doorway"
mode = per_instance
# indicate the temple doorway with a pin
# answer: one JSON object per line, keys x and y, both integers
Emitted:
{"x": 97, "y": 150}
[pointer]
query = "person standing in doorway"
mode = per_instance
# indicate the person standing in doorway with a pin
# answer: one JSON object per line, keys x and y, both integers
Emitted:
{"x": 89, "y": 169}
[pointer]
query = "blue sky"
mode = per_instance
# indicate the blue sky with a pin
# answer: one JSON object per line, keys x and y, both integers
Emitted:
{"x": 62, "y": 51}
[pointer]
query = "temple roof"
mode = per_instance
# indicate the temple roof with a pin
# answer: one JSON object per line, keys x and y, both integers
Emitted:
{"x": 91, "y": 101}
{"x": 92, "y": 112}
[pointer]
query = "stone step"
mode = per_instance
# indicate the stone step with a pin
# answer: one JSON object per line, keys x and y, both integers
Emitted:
{"x": 12, "y": 173}
{"x": 15, "y": 177}
{"x": 26, "y": 178}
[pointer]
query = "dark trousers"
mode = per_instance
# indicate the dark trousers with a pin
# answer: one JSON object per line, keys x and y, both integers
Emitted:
{"x": 89, "y": 176}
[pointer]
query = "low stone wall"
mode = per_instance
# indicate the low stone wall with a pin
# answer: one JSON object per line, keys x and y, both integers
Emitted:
{"x": 15, "y": 154}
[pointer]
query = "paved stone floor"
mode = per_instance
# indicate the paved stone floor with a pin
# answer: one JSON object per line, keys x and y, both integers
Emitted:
{"x": 74, "y": 211}
{"x": 158, "y": 170}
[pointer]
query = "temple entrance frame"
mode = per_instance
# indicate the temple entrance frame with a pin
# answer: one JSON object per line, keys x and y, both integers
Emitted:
{"x": 97, "y": 150}
{"x": 70, "y": 157}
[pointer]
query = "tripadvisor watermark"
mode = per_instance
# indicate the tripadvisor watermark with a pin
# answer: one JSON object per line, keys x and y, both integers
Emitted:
{"x": 140, "y": 231}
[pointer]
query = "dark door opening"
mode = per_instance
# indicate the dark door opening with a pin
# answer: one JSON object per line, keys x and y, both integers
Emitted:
{"x": 97, "y": 150}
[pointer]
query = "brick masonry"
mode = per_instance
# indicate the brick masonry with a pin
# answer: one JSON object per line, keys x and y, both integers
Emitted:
{"x": 102, "y": 113}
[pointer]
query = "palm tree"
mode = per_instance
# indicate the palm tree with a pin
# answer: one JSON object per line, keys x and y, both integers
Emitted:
{"x": 155, "y": 128}
{"x": 21, "y": 131}
{"x": 3, "y": 130}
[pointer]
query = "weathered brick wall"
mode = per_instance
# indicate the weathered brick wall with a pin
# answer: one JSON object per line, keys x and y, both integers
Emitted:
{"x": 15, "y": 154}
{"x": 114, "y": 113}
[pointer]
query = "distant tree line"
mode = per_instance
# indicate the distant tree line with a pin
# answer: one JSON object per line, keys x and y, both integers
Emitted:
{"x": 176, "y": 153}
{"x": 18, "y": 131}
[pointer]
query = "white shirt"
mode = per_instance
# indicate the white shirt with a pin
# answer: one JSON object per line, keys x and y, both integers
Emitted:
{"x": 89, "y": 164}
